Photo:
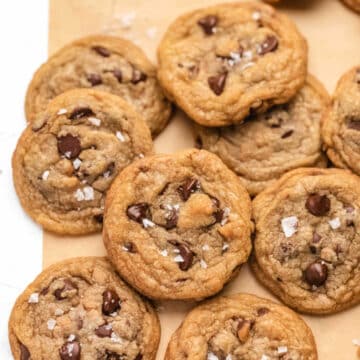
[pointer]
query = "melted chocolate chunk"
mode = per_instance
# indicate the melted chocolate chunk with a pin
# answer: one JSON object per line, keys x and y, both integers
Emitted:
{"x": 130, "y": 247}
{"x": 316, "y": 237}
{"x": 138, "y": 357}
{"x": 316, "y": 274}
{"x": 71, "y": 350}
{"x": 217, "y": 83}
{"x": 208, "y": 24}
{"x": 99, "y": 218}
{"x": 188, "y": 188}
{"x": 94, "y": 79}
{"x": 187, "y": 255}
{"x": 138, "y": 212}
{"x": 138, "y": 76}
{"x": 24, "y": 352}
{"x": 69, "y": 146}
{"x": 171, "y": 219}
{"x": 62, "y": 293}
{"x": 103, "y": 331}
{"x": 270, "y": 44}
{"x": 318, "y": 205}
{"x": 287, "y": 134}
{"x": 79, "y": 113}
{"x": 118, "y": 74}
{"x": 262, "y": 311}
{"x": 354, "y": 124}
{"x": 113, "y": 356}
{"x": 102, "y": 51}
{"x": 111, "y": 302}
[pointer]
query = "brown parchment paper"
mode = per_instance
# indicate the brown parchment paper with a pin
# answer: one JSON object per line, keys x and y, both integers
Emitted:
{"x": 333, "y": 34}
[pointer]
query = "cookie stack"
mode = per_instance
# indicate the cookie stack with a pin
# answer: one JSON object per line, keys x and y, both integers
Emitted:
{"x": 180, "y": 226}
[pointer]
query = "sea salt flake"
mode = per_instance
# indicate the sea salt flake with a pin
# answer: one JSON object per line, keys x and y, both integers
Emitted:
{"x": 120, "y": 136}
{"x": 115, "y": 338}
{"x": 88, "y": 193}
{"x": 62, "y": 112}
{"x": 225, "y": 217}
{"x": 203, "y": 264}
{"x": 51, "y": 324}
{"x": 33, "y": 298}
{"x": 58, "y": 312}
{"x": 289, "y": 225}
{"x": 141, "y": 156}
{"x": 335, "y": 223}
{"x": 178, "y": 258}
{"x": 45, "y": 175}
{"x": 151, "y": 32}
{"x": 164, "y": 252}
{"x": 94, "y": 121}
{"x": 206, "y": 247}
{"x": 125, "y": 248}
{"x": 247, "y": 54}
{"x": 212, "y": 356}
{"x": 264, "y": 357}
{"x": 71, "y": 337}
{"x": 76, "y": 163}
{"x": 256, "y": 15}
{"x": 113, "y": 314}
{"x": 282, "y": 350}
{"x": 248, "y": 65}
{"x": 68, "y": 154}
{"x": 235, "y": 57}
{"x": 147, "y": 223}
{"x": 225, "y": 247}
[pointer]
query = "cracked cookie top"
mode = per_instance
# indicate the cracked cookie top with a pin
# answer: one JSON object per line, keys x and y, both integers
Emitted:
{"x": 67, "y": 158}
{"x": 80, "y": 309}
{"x": 309, "y": 258}
{"x": 221, "y": 63}
{"x": 242, "y": 327}
{"x": 266, "y": 146}
{"x": 341, "y": 127}
{"x": 103, "y": 63}
{"x": 177, "y": 226}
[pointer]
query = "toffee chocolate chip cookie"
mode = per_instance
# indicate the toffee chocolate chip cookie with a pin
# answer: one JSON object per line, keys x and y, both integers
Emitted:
{"x": 221, "y": 63}
{"x": 67, "y": 158}
{"x": 105, "y": 63}
{"x": 341, "y": 127}
{"x": 266, "y": 146}
{"x": 80, "y": 309}
{"x": 307, "y": 239}
{"x": 242, "y": 327}
{"x": 177, "y": 226}
{"x": 353, "y": 4}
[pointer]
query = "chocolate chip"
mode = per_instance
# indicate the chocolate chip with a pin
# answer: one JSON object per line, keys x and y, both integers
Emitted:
{"x": 138, "y": 212}
{"x": 111, "y": 302}
{"x": 349, "y": 222}
{"x": 71, "y": 350}
{"x": 171, "y": 219}
{"x": 62, "y": 293}
{"x": 312, "y": 249}
{"x": 318, "y": 205}
{"x": 219, "y": 215}
{"x": 69, "y": 146}
{"x": 138, "y": 76}
{"x": 316, "y": 237}
{"x": 215, "y": 201}
{"x": 118, "y": 74}
{"x": 103, "y": 331}
{"x": 24, "y": 352}
{"x": 217, "y": 83}
{"x": 262, "y": 311}
{"x": 79, "y": 113}
{"x": 189, "y": 187}
{"x": 130, "y": 247}
{"x": 316, "y": 274}
{"x": 208, "y": 24}
{"x": 99, "y": 218}
{"x": 187, "y": 255}
{"x": 94, "y": 79}
{"x": 354, "y": 125}
{"x": 270, "y": 44}
{"x": 44, "y": 291}
{"x": 102, "y": 51}
{"x": 113, "y": 356}
{"x": 198, "y": 143}
{"x": 287, "y": 134}
{"x": 138, "y": 357}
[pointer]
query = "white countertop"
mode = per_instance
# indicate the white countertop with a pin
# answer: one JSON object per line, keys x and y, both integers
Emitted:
{"x": 23, "y": 35}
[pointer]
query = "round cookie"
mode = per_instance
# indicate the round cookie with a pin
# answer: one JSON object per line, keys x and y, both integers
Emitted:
{"x": 242, "y": 327}
{"x": 105, "y": 63}
{"x": 221, "y": 63}
{"x": 309, "y": 258}
{"x": 268, "y": 145}
{"x": 353, "y": 4}
{"x": 80, "y": 309}
{"x": 341, "y": 126}
{"x": 67, "y": 158}
{"x": 178, "y": 226}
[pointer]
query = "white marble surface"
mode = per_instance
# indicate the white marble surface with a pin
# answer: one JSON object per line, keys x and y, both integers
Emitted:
{"x": 23, "y": 44}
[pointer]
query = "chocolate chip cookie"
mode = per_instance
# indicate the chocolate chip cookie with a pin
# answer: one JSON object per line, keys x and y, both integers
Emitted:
{"x": 266, "y": 146}
{"x": 178, "y": 226}
{"x": 221, "y": 63}
{"x": 307, "y": 239}
{"x": 353, "y": 4}
{"x": 341, "y": 127}
{"x": 67, "y": 158}
{"x": 104, "y": 63}
{"x": 242, "y": 327}
{"x": 80, "y": 309}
